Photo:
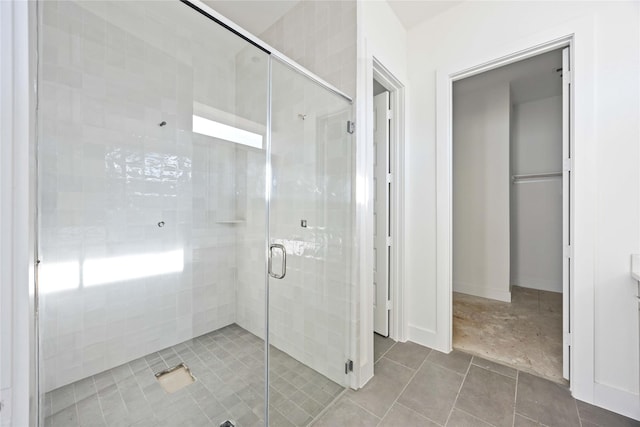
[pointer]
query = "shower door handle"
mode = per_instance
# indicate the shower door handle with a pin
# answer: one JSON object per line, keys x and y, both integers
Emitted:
{"x": 284, "y": 261}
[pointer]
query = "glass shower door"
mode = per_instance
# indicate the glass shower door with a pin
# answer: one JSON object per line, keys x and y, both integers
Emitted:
{"x": 311, "y": 244}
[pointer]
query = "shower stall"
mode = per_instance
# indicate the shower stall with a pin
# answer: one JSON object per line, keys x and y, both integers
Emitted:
{"x": 195, "y": 223}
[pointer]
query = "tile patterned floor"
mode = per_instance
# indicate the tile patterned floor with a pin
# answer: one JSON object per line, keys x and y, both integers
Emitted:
{"x": 229, "y": 368}
{"x": 412, "y": 386}
{"x": 417, "y": 386}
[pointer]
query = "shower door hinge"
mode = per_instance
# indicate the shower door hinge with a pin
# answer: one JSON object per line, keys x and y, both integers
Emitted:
{"x": 351, "y": 126}
{"x": 348, "y": 366}
{"x": 566, "y": 165}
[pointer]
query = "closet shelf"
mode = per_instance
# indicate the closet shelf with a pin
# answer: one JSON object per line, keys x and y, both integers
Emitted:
{"x": 534, "y": 177}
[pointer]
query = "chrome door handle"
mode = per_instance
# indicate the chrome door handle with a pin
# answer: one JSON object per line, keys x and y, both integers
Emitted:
{"x": 284, "y": 260}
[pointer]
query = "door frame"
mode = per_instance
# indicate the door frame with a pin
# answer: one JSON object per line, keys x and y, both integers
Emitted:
{"x": 578, "y": 35}
{"x": 362, "y": 344}
{"x": 397, "y": 323}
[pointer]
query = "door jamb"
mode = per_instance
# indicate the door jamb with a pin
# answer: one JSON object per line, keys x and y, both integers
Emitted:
{"x": 397, "y": 322}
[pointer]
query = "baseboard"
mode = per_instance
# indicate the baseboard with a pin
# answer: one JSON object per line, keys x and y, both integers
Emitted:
{"x": 482, "y": 292}
{"x": 427, "y": 338}
{"x": 616, "y": 400}
{"x": 539, "y": 284}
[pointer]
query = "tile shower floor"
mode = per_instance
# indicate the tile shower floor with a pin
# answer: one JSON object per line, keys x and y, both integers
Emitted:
{"x": 229, "y": 370}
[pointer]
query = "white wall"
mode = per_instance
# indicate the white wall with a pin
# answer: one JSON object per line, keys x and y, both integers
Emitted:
{"x": 536, "y": 205}
{"x": 475, "y": 29}
{"x": 380, "y": 36}
{"x": 17, "y": 103}
{"x": 481, "y": 234}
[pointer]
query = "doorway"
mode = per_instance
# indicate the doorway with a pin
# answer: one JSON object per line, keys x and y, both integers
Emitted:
{"x": 511, "y": 176}
{"x": 385, "y": 136}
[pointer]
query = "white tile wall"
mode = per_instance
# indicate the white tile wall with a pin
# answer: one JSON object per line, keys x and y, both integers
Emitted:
{"x": 321, "y": 36}
{"x": 111, "y": 72}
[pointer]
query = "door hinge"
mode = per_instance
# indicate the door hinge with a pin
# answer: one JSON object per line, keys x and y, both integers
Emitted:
{"x": 389, "y": 114}
{"x": 567, "y": 338}
{"x": 351, "y": 126}
{"x": 568, "y": 251}
{"x": 567, "y": 76}
{"x": 389, "y": 241}
{"x": 348, "y": 366}
{"x": 566, "y": 165}
{"x": 389, "y": 178}
{"x": 389, "y": 305}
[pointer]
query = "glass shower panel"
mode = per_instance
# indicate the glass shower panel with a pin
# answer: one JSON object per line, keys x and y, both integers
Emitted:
{"x": 311, "y": 219}
{"x": 152, "y": 139}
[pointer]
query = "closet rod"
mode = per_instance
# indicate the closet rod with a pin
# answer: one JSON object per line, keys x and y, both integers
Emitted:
{"x": 534, "y": 176}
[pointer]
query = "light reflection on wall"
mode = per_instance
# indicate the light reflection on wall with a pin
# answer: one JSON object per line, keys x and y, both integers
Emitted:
{"x": 228, "y": 133}
{"x": 60, "y": 276}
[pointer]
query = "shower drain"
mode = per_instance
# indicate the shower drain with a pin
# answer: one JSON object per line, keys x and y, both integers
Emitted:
{"x": 176, "y": 378}
{"x": 227, "y": 424}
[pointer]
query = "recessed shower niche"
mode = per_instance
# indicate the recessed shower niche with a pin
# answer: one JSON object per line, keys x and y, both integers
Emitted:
{"x": 172, "y": 165}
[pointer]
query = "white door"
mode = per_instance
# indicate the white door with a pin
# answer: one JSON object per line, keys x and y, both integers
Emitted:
{"x": 566, "y": 204}
{"x": 382, "y": 237}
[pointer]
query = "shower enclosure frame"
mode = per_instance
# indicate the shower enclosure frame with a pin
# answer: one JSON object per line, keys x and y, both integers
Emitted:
{"x": 33, "y": 27}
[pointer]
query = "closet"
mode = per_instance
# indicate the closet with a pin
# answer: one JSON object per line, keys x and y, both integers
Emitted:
{"x": 508, "y": 215}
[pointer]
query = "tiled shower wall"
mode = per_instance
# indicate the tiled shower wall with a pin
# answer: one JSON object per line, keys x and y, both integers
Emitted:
{"x": 111, "y": 175}
{"x": 320, "y": 36}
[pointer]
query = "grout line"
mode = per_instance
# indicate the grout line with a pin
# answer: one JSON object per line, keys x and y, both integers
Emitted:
{"x": 515, "y": 398}
{"x": 415, "y": 412}
{"x": 490, "y": 370}
{"x": 473, "y": 416}
{"x": 386, "y": 351}
{"x": 404, "y": 388}
{"x": 98, "y": 399}
{"x": 449, "y": 369}
{"x": 458, "y": 395}
{"x": 575, "y": 402}
{"x": 530, "y": 419}
{"x": 326, "y": 408}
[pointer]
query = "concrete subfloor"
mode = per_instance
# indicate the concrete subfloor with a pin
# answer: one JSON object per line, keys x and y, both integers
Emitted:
{"x": 525, "y": 334}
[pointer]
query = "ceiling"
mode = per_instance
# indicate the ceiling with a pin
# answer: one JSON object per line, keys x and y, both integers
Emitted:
{"x": 412, "y": 12}
{"x": 531, "y": 79}
{"x": 254, "y": 16}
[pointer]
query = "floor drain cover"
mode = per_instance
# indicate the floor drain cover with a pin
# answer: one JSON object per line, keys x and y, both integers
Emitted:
{"x": 176, "y": 378}
{"x": 227, "y": 424}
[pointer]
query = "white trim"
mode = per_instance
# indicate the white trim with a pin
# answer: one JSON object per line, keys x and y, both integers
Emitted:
{"x": 399, "y": 329}
{"x": 423, "y": 336}
{"x": 616, "y": 400}
{"x": 580, "y": 35}
{"x": 479, "y": 291}
{"x": 17, "y": 179}
{"x": 364, "y": 361}
{"x": 397, "y": 326}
